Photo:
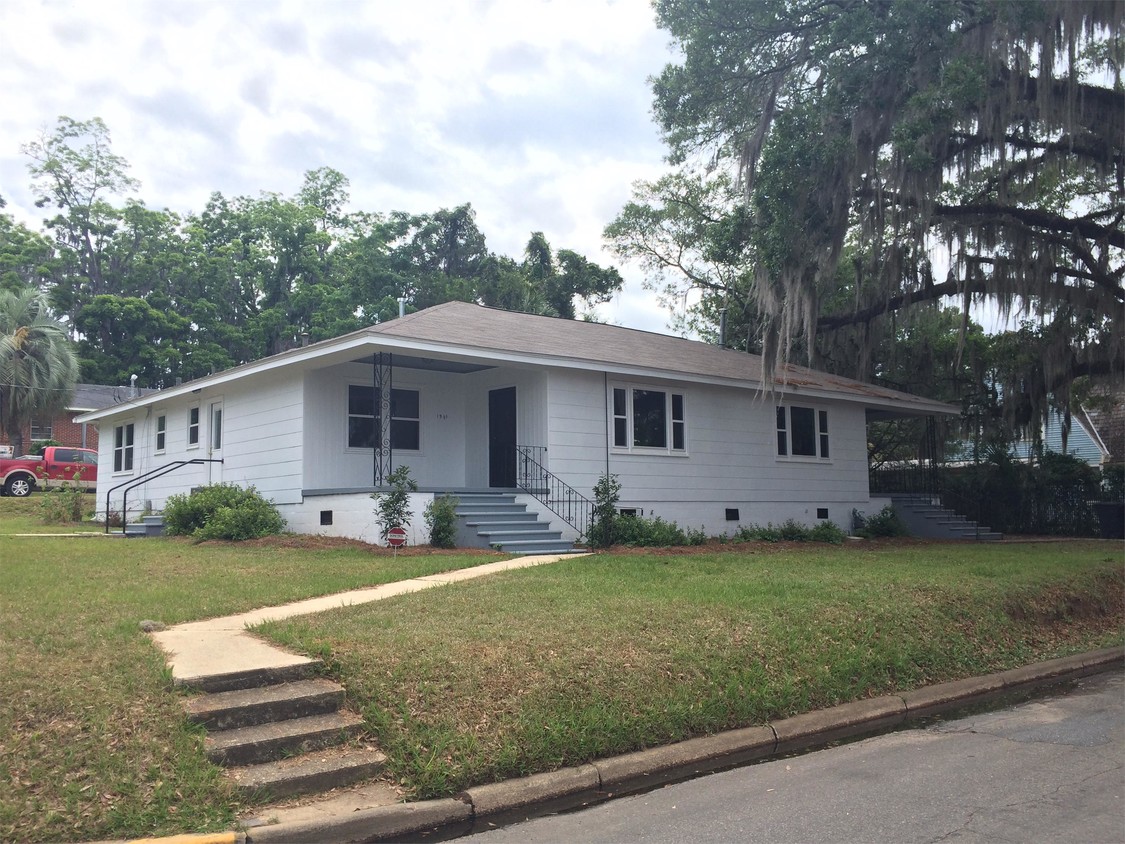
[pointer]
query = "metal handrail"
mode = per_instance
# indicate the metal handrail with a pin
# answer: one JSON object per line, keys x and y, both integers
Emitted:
{"x": 152, "y": 474}
{"x": 533, "y": 478}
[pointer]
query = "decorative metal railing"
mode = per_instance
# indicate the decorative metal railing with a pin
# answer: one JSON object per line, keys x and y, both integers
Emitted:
{"x": 533, "y": 478}
{"x": 143, "y": 479}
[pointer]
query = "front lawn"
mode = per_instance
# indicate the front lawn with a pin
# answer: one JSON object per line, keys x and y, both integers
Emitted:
{"x": 92, "y": 739}
{"x": 486, "y": 679}
{"x": 582, "y": 659}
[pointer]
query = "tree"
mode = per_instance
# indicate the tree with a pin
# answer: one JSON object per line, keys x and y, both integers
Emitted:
{"x": 990, "y": 127}
{"x": 38, "y": 369}
{"x": 75, "y": 169}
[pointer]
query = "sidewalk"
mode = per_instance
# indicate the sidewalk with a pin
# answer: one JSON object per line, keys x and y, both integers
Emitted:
{"x": 222, "y": 646}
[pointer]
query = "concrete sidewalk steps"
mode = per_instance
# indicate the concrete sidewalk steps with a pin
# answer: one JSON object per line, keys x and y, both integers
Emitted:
{"x": 279, "y": 739}
{"x": 249, "y": 707}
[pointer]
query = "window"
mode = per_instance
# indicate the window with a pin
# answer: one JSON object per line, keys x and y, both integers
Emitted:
{"x": 364, "y": 419}
{"x": 648, "y": 419}
{"x": 802, "y": 432}
{"x": 217, "y": 426}
{"x": 42, "y": 429}
{"x": 123, "y": 448}
{"x": 193, "y": 427}
{"x": 161, "y": 433}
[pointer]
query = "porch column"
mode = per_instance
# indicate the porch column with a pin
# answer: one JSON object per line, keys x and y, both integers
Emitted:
{"x": 382, "y": 371}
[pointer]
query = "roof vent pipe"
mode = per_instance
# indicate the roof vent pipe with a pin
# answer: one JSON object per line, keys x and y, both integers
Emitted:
{"x": 304, "y": 339}
{"x": 722, "y": 328}
{"x": 401, "y": 306}
{"x": 132, "y": 386}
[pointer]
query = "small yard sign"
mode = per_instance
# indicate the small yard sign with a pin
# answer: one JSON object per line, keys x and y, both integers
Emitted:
{"x": 396, "y": 537}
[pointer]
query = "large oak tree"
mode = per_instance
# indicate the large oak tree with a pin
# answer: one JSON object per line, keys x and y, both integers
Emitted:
{"x": 892, "y": 153}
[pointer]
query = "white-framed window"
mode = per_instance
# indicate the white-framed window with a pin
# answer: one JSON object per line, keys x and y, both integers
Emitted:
{"x": 646, "y": 419}
{"x": 123, "y": 448}
{"x": 42, "y": 429}
{"x": 216, "y": 426}
{"x": 365, "y": 413}
{"x": 193, "y": 427}
{"x": 161, "y": 434}
{"x": 802, "y": 432}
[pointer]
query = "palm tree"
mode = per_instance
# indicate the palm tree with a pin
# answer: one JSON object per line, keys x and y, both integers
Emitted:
{"x": 38, "y": 367}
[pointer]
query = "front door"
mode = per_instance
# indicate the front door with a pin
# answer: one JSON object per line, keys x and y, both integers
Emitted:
{"x": 502, "y": 437}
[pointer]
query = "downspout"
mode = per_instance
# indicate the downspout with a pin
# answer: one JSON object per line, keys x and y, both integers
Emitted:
{"x": 608, "y": 420}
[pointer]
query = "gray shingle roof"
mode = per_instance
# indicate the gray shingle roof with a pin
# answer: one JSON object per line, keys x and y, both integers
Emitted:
{"x": 461, "y": 323}
{"x": 96, "y": 396}
{"x": 464, "y": 332}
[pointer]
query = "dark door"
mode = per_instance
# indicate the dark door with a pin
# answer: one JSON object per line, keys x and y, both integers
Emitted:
{"x": 502, "y": 437}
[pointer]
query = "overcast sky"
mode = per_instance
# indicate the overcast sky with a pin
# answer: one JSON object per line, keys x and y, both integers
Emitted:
{"x": 536, "y": 112}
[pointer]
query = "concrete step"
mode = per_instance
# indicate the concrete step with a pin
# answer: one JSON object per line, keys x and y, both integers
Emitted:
{"x": 485, "y": 498}
{"x": 269, "y": 742}
{"x": 477, "y": 517}
{"x": 505, "y": 536}
{"x": 313, "y": 772}
{"x": 247, "y": 707}
{"x": 535, "y": 546}
{"x": 562, "y": 549}
{"x": 485, "y": 508}
{"x": 257, "y": 677}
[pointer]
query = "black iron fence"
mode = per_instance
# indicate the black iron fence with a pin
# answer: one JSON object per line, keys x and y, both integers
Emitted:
{"x": 1052, "y": 497}
{"x": 532, "y": 477}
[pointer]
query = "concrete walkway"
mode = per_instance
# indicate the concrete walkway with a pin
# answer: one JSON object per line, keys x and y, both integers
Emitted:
{"x": 223, "y": 646}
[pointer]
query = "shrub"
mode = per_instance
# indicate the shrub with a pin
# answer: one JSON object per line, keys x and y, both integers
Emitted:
{"x": 884, "y": 523}
{"x": 827, "y": 532}
{"x": 647, "y": 533}
{"x": 605, "y": 519}
{"x": 793, "y": 531}
{"x": 39, "y": 446}
{"x": 441, "y": 519}
{"x": 221, "y": 511}
{"x": 393, "y": 508}
{"x": 250, "y": 520}
{"x": 62, "y": 505}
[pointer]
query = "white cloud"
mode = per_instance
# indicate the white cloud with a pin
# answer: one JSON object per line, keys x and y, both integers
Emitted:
{"x": 536, "y": 112}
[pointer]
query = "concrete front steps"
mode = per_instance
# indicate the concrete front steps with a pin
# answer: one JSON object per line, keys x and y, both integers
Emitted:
{"x": 279, "y": 739}
{"x": 497, "y": 520}
{"x": 923, "y": 518}
{"x": 147, "y": 526}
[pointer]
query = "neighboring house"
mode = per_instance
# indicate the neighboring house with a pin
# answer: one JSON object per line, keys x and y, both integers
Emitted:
{"x": 1082, "y": 441}
{"x": 62, "y": 427}
{"x": 1107, "y": 425}
{"x": 468, "y": 397}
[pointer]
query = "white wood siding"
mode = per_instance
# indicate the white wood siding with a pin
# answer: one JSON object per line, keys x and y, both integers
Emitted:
{"x": 531, "y": 415}
{"x": 731, "y": 458}
{"x": 440, "y": 461}
{"x": 261, "y": 445}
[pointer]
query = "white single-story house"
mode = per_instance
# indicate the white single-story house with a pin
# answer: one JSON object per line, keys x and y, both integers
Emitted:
{"x": 472, "y": 398}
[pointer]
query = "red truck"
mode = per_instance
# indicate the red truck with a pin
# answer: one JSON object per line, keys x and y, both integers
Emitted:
{"x": 59, "y": 466}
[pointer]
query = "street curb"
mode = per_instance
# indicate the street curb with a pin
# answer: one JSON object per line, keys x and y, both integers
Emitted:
{"x": 632, "y": 772}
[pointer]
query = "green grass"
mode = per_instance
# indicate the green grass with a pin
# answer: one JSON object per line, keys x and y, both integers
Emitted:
{"x": 25, "y": 515}
{"x": 562, "y": 664}
{"x": 486, "y": 679}
{"x": 93, "y": 744}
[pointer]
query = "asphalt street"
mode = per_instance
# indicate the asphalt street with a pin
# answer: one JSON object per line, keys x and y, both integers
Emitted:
{"x": 1051, "y": 769}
